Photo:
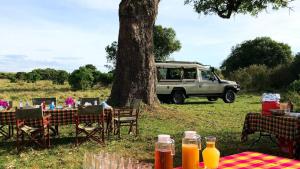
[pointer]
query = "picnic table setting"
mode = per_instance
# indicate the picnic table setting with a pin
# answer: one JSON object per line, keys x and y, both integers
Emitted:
{"x": 276, "y": 121}
{"x": 96, "y": 119}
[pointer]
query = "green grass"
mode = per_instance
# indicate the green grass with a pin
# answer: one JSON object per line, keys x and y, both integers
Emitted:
{"x": 225, "y": 121}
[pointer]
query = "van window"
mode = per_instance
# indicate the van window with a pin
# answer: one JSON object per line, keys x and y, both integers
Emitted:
{"x": 174, "y": 73}
{"x": 207, "y": 75}
{"x": 161, "y": 74}
{"x": 190, "y": 73}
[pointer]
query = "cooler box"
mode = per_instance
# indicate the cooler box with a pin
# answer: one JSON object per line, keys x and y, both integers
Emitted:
{"x": 268, "y": 105}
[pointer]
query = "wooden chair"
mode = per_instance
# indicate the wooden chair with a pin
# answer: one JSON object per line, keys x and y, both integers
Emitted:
{"x": 34, "y": 124}
{"x": 90, "y": 122}
{"x": 39, "y": 101}
{"x": 89, "y": 100}
{"x": 48, "y": 101}
{"x": 3, "y": 132}
{"x": 127, "y": 116}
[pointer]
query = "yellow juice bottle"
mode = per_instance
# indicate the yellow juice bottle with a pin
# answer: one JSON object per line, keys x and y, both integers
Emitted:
{"x": 211, "y": 155}
{"x": 191, "y": 145}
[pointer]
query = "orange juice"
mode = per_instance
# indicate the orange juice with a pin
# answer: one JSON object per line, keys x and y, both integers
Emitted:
{"x": 211, "y": 155}
{"x": 190, "y": 156}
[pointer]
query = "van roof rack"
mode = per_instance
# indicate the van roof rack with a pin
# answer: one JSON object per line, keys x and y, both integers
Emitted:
{"x": 183, "y": 62}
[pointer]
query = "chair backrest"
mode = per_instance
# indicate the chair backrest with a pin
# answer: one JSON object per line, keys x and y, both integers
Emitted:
{"x": 29, "y": 113}
{"x": 90, "y": 100}
{"x": 90, "y": 110}
{"x": 39, "y": 101}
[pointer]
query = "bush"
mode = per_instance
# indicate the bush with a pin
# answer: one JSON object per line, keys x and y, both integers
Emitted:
{"x": 260, "y": 51}
{"x": 295, "y": 86}
{"x": 21, "y": 76}
{"x": 12, "y": 78}
{"x": 60, "y": 77}
{"x": 252, "y": 78}
{"x": 32, "y": 77}
{"x": 281, "y": 76}
{"x": 81, "y": 79}
{"x": 103, "y": 78}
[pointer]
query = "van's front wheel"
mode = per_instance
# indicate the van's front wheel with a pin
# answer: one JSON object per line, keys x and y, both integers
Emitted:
{"x": 229, "y": 96}
{"x": 178, "y": 97}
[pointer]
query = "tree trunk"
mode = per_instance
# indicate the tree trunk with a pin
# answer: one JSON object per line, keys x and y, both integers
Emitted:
{"x": 135, "y": 74}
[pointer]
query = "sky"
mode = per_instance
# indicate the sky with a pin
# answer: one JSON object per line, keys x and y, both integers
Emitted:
{"x": 66, "y": 34}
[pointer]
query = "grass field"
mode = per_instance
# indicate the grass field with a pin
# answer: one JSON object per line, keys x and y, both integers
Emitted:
{"x": 225, "y": 121}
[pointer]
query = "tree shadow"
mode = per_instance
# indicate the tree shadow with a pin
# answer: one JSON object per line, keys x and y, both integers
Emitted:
{"x": 198, "y": 102}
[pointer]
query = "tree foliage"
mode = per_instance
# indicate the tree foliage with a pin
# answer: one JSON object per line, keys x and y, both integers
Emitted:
{"x": 165, "y": 43}
{"x": 81, "y": 79}
{"x": 56, "y": 76}
{"x": 260, "y": 51}
{"x": 60, "y": 77}
{"x": 87, "y": 76}
{"x": 225, "y": 9}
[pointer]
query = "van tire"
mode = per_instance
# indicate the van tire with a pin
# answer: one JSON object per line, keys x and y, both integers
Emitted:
{"x": 178, "y": 96}
{"x": 229, "y": 96}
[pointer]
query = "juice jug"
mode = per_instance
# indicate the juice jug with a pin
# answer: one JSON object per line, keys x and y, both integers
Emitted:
{"x": 211, "y": 154}
{"x": 191, "y": 145}
{"x": 164, "y": 152}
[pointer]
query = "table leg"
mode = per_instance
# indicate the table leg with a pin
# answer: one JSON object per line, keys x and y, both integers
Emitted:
{"x": 261, "y": 134}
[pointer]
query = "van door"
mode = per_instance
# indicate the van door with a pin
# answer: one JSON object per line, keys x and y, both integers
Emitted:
{"x": 208, "y": 83}
{"x": 190, "y": 81}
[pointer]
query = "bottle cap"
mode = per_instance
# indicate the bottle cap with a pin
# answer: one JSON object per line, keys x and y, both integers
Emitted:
{"x": 163, "y": 138}
{"x": 210, "y": 139}
{"x": 190, "y": 134}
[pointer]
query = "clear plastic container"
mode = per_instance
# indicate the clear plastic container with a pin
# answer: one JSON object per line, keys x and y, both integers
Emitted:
{"x": 191, "y": 145}
{"x": 164, "y": 152}
{"x": 211, "y": 155}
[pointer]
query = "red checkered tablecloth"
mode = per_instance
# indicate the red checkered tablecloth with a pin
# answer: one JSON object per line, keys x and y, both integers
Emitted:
{"x": 58, "y": 117}
{"x": 254, "y": 160}
{"x": 286, "y": 127}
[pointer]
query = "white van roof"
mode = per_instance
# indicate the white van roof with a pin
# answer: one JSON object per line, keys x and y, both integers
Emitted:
{"x": 185, "y": 64}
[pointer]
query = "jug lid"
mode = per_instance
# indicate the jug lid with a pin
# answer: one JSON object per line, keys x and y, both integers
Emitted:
{"x": 190, "y": 134}
{"x": 164, "y": 138}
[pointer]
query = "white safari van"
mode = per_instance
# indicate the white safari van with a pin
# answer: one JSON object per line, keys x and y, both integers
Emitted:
{"x": 178, "y": 80}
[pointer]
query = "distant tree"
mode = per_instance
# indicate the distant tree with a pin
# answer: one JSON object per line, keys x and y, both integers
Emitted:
{"x": 21, "y": 76}
{"x": 111, "y": 54}
{"x": 260, "y": 51}
{"x": 91, "y": 67}
{"x": 32, "y": 77}
{"x": 81, "y": 79}
{"x": 60, "y": 77}
{"x": 165, "y": 43}
{"x": 103, "y": 78}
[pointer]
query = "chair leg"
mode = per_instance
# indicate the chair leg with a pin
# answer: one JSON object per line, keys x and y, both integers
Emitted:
{"x": 56, "y": 129}
{"x": 17, "y": 141}
{"x": 130, "y": 128}
{"x": 136, "y": 129}
{"x": 119, "y": 130}
{"x": 102, "y": 133}
{"x": 76, "y": 137}
{"x": 48, "y": 136}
